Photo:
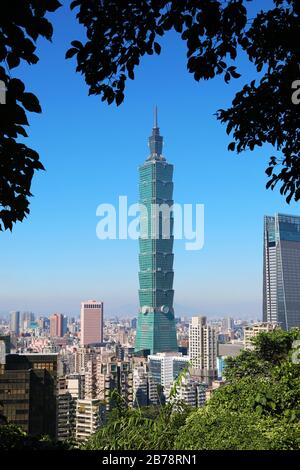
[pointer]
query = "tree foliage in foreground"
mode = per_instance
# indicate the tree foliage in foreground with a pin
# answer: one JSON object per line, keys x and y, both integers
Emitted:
{"x": 257, "y": 409}
{"x": 13, "y": 438}
{"x": 21, "y": 25}
{"x": 137, "y": 429}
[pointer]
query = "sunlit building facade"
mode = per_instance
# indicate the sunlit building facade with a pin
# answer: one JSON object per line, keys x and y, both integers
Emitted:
{"x": 281, "y": 276}
{"x": 156, "y": 324}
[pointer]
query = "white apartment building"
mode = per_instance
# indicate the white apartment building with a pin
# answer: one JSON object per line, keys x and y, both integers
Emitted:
{"x": 88, "y": 418}
{"x": 165, "y": 367}
{"x": 252, "y": 331}
{"x": 203, "y": 349}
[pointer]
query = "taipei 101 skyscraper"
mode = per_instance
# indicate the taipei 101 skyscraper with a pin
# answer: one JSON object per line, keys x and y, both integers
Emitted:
{"x": 156, "y": 329}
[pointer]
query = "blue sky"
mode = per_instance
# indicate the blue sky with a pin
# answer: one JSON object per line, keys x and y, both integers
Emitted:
{"x": 91, "y": 152}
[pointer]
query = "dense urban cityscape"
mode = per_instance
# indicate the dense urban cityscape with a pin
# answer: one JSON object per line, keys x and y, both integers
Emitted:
{"x": 149, "y": 296}
{"x": 78, "y": 372}
{"x": 59, "y": 375}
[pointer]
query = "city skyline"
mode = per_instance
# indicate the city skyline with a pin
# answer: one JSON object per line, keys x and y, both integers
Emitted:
{"x": 43, "y": 260}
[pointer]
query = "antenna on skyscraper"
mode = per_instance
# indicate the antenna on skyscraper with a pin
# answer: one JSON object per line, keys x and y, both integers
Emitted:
{"x": 155, "y": 117}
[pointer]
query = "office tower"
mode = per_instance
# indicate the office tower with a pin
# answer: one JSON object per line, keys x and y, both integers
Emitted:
{"x": 281, "y": 270}
{"x": 56, "y": 325}
{"x": 88, "y": 418}
{"x": 156, "y": 330}
{"x": 255, "y": 329}
{"x": 15, "y": 322}
{"x": 227, "y": 324}
{"x": 64, "y": 325}
{"x": 41, "y": 323}
{"x": 91, "y": 323}
{"x": 27, "y": 319}
{"x": 203, "y": 349}
{"x": 28, "y": 392}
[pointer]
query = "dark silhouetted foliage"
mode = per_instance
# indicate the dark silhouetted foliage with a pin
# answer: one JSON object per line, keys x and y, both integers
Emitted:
{"x": 21, "y": 24}
{"x": 13, "y": 438}
{"x": 119, "y": 33}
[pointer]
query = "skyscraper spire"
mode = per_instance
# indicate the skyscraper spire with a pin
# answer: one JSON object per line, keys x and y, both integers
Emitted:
{"x": 155, "y": 140}
{"x": 155, "y": 118}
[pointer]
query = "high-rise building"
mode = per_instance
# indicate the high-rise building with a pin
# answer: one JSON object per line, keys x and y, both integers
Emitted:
{"x": 189, "y": 391}
{"x": 28, "y": 392}
{"x": 75, "y": 385}
{"x": 15, "y": 322}
{"x": 88, "y": 418}
{"x": 203, "y": 349}
{"x": 102, "y": 376}
{"x": 27, "y": 319}
{"x": 81, "y": 358}
{"x": 227, "y": 324}
{"x": 91, "y": 323}
{"x": 66, "y": 411}
{"x": 156, "y": 330}
{"x": 164, "y": 368}
{"x": 281, "y": 277}
{"x": 254, "y": 330}
{"x": 145, "y": 391}
{"x": 56, "y": 325}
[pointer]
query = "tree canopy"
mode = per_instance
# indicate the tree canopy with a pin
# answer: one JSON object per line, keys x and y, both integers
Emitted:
{"x": 120, "y": 32}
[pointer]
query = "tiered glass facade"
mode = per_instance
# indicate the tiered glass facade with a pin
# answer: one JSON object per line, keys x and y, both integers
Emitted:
{"x": 281, "y": 293}
{"x": 156, "y": 324}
